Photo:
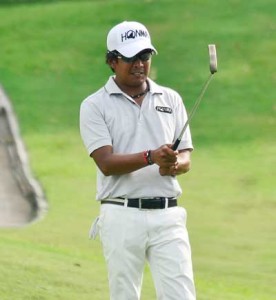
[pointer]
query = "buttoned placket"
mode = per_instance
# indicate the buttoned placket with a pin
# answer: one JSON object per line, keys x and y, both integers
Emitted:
{"x": 141, "y": 108}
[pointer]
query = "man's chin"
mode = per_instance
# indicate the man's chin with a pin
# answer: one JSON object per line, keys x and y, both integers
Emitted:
{"x": 139, "y": 78}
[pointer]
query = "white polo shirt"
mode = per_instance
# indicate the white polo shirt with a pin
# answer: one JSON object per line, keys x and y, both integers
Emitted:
{"x": 111, "y": 117}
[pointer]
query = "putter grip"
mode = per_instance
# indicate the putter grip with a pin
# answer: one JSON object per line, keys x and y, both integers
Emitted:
{"x": 176, "y": 144}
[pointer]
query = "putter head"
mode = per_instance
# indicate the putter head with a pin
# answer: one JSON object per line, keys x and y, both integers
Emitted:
{"x": 213, "y": 58}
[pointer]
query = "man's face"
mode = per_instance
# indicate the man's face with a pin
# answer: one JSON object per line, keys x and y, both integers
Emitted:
{"x": 132, "y": 73}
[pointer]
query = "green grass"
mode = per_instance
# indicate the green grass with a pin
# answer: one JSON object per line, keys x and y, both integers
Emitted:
{"x": 52, "y": 56}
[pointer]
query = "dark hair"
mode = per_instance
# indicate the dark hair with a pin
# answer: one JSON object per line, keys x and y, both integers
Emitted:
{"x": 109, "y": 56}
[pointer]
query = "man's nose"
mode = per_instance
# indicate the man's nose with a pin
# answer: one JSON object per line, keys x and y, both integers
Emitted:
{"x": 138, "y": 62}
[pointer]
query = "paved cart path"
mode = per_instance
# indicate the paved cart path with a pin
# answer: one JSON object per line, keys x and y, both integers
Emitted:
{"x": 15, "y": 210}
{"x": 21, "y": 198}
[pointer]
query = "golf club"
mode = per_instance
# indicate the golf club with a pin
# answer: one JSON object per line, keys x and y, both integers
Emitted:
{"x": 213, "y": 69}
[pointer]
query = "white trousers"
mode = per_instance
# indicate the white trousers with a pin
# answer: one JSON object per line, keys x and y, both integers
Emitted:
{"x": 130, "y": 237}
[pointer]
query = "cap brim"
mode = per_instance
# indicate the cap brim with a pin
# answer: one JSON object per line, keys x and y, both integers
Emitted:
{"x": 134, "y": 48}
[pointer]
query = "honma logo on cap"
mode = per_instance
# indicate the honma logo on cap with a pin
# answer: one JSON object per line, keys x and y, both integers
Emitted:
{"x": 129, "y": 38}
{"x": 132, "y": 34}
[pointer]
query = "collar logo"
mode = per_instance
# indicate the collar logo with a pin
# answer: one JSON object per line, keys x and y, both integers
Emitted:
{"x": 132, "y": 34}
{"x": 164, "y": 109}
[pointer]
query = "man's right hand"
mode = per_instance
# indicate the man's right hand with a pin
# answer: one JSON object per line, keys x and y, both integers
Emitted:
{"x": 164, "y": 156}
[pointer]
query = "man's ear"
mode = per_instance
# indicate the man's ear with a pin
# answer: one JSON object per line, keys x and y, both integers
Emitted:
{"x": 112, "y": 63}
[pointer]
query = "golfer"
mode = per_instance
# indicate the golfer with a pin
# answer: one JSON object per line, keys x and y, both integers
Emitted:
{"x": 128, "y": 127}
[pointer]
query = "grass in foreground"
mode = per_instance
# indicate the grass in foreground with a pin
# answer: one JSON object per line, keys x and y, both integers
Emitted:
{"x": 52, "y": 56}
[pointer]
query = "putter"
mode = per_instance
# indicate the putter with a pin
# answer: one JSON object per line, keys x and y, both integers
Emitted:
{"x": 213, "y": 70}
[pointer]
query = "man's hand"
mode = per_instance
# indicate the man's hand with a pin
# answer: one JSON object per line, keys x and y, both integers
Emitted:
{"x": 172, "y": 171}
{"x": 164, "y": 156}
{"x": 171, "y": 163}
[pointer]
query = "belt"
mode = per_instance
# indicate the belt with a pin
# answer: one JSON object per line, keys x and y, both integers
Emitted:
{"x": 143, "y": 203}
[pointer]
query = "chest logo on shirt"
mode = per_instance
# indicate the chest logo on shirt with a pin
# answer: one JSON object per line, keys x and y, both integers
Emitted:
{"x": 164, "y": 109}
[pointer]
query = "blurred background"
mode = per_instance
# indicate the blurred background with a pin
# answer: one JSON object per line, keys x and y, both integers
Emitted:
{"x": 52, "y": 56}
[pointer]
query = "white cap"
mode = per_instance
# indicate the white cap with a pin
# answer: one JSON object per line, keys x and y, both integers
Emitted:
{"x": 129, "y": 38}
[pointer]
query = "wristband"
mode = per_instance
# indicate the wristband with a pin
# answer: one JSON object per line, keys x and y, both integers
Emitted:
{"x": 150, "y": 161}
{"x": 147, "y": 157}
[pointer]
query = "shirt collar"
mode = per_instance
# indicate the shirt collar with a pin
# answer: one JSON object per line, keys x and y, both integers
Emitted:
{"x": 154, "y": 87}
{"x": 112, "y": 88}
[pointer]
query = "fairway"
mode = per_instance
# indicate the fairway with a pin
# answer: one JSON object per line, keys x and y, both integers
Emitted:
{"x": 52, "y": 56}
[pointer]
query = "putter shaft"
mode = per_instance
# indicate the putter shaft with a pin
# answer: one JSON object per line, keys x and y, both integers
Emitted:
{"x": 203, "y": 90}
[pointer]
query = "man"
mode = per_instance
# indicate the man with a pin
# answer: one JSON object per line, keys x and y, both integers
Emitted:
{"x": 128, "y": 127}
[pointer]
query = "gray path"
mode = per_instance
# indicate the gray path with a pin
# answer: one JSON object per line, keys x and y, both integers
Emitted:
{"x": 21, "y": 198}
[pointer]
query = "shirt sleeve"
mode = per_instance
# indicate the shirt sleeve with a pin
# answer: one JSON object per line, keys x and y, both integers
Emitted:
{"x": 93, "y": 129}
